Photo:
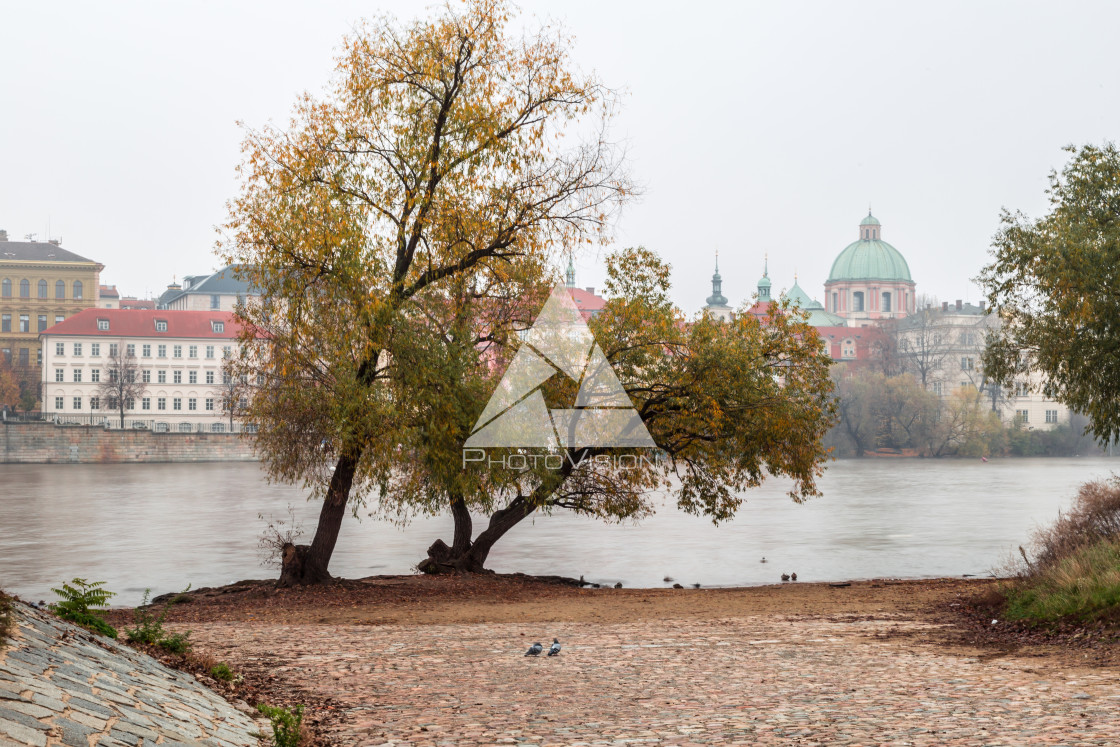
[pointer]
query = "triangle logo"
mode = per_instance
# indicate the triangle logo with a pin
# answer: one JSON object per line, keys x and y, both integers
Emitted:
{"x": 559, "y": 342}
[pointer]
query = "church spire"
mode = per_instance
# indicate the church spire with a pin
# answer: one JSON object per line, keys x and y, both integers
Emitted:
{"x": 717, "y": 297}
{"x": 764, "y": 281}
{"x": 570, "y": 275}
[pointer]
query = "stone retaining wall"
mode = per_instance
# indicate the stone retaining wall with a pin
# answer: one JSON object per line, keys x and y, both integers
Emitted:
{"x": 46, "y": 443}
{"x": 62, "y": 685}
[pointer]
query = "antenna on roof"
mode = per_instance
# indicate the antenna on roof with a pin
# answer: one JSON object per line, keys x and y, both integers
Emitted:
{"x": 31, "y": 236}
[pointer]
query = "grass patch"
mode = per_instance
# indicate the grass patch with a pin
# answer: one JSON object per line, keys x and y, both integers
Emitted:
{"x": 148, "y": 628}
{"x": 1084, "y": 584}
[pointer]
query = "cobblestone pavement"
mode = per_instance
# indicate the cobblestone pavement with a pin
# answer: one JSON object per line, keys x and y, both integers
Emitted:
{"x": 746, "y": 680}
{"x": 60, "y": 685}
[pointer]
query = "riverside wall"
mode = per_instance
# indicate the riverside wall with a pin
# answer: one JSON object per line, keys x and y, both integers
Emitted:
{"x": 47, "y": 443}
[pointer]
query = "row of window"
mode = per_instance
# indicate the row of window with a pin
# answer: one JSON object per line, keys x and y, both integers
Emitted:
{"x": 146, "y": 376}
{"x": 161, "y": 326}
{"x": 145, "y": 350}
{"x": 146, "y": 403}
{"x": 25, "y": 322}
{"x": 1024, "y": 416}
{"x": 858, "y": 303}
{"x": 25, "y": 289}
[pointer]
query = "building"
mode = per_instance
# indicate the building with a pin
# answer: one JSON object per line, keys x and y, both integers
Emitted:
{"x": 41, "y": 284}
{"x": 131, "y": 302}
{"x": 217, "y": 292}
{"x": 178, "y": 356}
{"x": 870, "y": 279}
{"x": 717, "y": 304}
{"x": 588, "y": 303}
{"x": 108, "y": 298}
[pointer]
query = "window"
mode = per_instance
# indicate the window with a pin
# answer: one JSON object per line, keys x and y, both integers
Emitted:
{"x": 225, "y": 378}
{"x": 146, "y": 403}
{"x": 215, "y": 301}
{"x": 95, "y": 403}
{"x": 161, "y": 428}
{"x": 60, "y": 348}
{"x": 848, "y": 349}
{"x": 192, "y": 403}
{"x": 1051, "y": 416}
{"x": 38, "y": 356}
{"x": 243, "y": 403}
{"x": 251, "y": 428}
{"x": 161, "y": 351}
{"x": 24, "y": 322}
{"x": 176, "y": 403}
{"x": 226, "y": 350}
{"x": 966, "y": 363}
{"x": 77, "y": 403}
{"x": 192, "y": 377}
{"x": 177, "y": 377}
{"x": 886, "y": 302}
{"x": 1023, "y": 416}
{"x": 218, "y": 327}
{"x": 936, "y": 388}
{"x": 260, "y": 376}
{"x": 209, "y": 377}
{"x": 113, "y": 375}
{"x": 217, "y": 427}
{"x": 177, "y": 351}
{"x": 25, "y": 355}
{"x": 77, "y": 348}
{"x": 161, "y": 325}
{"x": 25, "y": 288}
{"x": 130, "y": 350}
{"x": 77, "y": 375}
{"x": 58, "y": 403}
{"x": 209, "y": 351}
{"x": 184, "y": 427}
{"x": 161, "y": 377}
{"x": 95, "y": 349}
{"x": 1021, "y": 389}
{"x": 95, "y": 375}
{"x": 103, "y": 325}
{"x": 209, "y": 404}
{"x": 857, "y": 301}
{"x": 59, "y": 318}
{"x": 192, "y": 351}
{"x": 77, "y": 289}
{"x": 42, "y": 289}
{"x": 6, "y": 323}
{"x": 112, "y": 350}
{"x": 60, "y": 289}
{"x": 42, "y": 322}
{"x": 6, "y": 288}
{"x": 59, "y": 374}
{"x": 161, "y": 403}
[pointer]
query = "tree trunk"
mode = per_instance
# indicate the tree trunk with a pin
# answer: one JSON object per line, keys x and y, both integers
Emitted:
{"x": 470, "y": 557}
{"x": 307, "y": 564}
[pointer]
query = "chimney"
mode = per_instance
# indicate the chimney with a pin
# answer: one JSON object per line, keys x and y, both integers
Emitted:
{"x": 944, "y": 305}
{"x": 590, "y": 290}
{"x": 3, "y": 235}
{"x": 958, "y": 304}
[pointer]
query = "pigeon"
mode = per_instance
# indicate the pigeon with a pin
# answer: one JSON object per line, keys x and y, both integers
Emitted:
{"x": 535, "y": 649}
{"x": 785, "y": 577}
{"x": 793, "y": 577}
{"x": 618, "y": 585}
{"x": 555, "y": 649}
{"x": 763, "y": 559}
{"x": 668, "y": 579}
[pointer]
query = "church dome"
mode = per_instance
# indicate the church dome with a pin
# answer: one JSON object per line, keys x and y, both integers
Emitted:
{"x": 870, "y": 258}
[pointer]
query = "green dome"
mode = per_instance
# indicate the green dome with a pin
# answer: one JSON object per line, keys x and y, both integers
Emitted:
{"x": 870, "y": 220}
{"x": 870, "y": 259}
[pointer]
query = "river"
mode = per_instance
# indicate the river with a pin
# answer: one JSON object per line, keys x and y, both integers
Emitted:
{"x": 166, "y": 525}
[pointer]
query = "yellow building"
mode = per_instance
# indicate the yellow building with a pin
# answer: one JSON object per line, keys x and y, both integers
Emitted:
{"x": 41, "y": 284}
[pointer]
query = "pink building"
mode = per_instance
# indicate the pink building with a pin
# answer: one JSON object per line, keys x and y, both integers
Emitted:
{"x": 870, "y": 279}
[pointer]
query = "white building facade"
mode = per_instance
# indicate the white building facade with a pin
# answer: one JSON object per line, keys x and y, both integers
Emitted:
{"x": 179, "y": 361}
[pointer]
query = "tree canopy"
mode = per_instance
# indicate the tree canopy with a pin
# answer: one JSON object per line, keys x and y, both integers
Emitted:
{"x": 1054, "y": 282}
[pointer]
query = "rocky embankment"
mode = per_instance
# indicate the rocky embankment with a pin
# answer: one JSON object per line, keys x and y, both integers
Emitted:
{"x": 61, "y": 685}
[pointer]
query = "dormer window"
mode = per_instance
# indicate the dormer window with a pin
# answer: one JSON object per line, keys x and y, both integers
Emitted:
{"x": 161, "y": 325}
{"x": 218, "y": 327}
{"x": 103, "y": 325}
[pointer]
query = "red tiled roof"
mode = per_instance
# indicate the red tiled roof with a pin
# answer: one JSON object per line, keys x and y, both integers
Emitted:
{"x": 109, "y": 291}
{"x": 587, "y": 302}
{"x": 142, "y": 323}
{"x": 138, "y": 303}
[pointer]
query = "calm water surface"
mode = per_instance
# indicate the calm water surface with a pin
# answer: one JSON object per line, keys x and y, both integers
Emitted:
{"x": 166, "y": 525}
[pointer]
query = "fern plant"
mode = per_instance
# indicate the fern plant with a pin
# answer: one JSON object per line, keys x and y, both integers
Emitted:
{"x": 82, "y": 602}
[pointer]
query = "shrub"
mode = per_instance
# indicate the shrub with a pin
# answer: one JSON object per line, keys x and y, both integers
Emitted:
{"x": 148, "y": 628}
{"x": 1094, "y": 516}
{"x": 286, "y": 724}
{"x": 5, "y": 619}
{"x": 1083, "y": 584}
{"x": 221, "y": 671}
{"x": 83, "y": 602}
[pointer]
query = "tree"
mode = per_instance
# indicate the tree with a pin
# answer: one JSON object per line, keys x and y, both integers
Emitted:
{"x": 121, "y": 384}
{"x": 9, "y": 385}
{"x": 435, "y": 165}
{"x": 235, "y": 391}
{"x": 727, "y": 403}
{"x": 924, "y": 341}
{"x": 1053, "y": 282}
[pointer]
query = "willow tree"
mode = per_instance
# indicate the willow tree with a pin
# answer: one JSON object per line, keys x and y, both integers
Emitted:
{"x": 725, "y": 404}
{"x": 448, "y": 156}
{"x": 1053, "y": 282}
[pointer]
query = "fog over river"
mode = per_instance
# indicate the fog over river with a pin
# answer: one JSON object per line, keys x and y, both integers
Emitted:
{"x": 166, "y": 525}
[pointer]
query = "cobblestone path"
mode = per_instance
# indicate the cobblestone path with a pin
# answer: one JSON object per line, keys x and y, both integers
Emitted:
{"x": 746, "y": 680}
{"x": 60, "y": 685}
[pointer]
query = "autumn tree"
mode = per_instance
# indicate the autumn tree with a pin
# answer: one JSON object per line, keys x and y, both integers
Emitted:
{"x": 9, "y": 385}
{"x": 448, "y": 156}
{"x": 121, "y": 384}
{"x": 1053, "y": 282}
{"x": 726, "y": 404}
{"x": 924, "y": 342}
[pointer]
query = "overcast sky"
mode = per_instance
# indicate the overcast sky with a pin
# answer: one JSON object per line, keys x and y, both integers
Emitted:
{"x": 755, "y": 128}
